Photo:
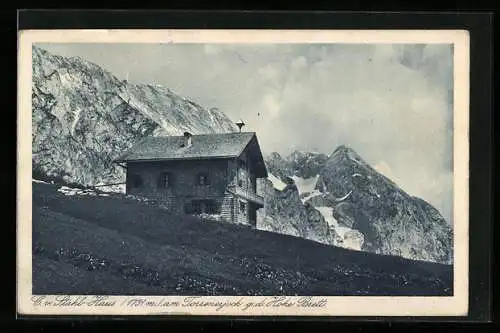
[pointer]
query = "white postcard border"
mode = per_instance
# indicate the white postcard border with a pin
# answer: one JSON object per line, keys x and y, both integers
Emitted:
{"x": 456, "y": 305}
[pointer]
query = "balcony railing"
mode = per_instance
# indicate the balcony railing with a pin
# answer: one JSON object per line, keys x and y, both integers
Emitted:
{"x": 247, "y": 194}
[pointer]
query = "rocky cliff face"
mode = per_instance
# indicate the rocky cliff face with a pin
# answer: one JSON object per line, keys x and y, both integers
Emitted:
{"x": 297, "y": 164}
{"x": 83, "y": 117}
{"x": 291, "y": 183}
{"x": 306, "y": 165}
{"x": 364, "y": 209}
{"x": 285, "y": 213}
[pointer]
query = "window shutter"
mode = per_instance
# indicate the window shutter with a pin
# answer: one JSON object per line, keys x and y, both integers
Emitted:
{"x": 164, "y": 180}
{"x": 160, "y": 181}
{"x": 168, "y": 180}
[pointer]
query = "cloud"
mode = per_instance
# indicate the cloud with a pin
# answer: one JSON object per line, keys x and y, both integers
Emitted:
{"x": 391, "y": 103}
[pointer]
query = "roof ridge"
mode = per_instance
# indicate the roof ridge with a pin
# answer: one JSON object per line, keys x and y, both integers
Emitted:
{"x": 246, "y": 144}
{"x": 209, "y": 145}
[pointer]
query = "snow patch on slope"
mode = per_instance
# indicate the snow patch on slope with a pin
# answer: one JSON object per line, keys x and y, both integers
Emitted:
{"x": 344, "y": 197}
{"x": 39, "y": 181}
{"x": 351, "y": 239}
{"x": 277, "y": 183}
{"x": 116, "y": 188}
{"x": 76, "y": 117}
{"x": 305, "y": 185}
{"x": 75, "y": 191}
{"x": 310, "y": 195}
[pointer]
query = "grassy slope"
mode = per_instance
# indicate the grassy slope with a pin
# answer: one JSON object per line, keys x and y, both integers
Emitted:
{"x": 115, "y": 245}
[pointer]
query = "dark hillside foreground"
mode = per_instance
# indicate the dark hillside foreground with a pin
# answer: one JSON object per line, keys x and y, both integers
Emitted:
{"x": 115, "y": 245}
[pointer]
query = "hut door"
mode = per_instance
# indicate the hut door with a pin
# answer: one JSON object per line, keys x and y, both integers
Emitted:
{"x": 252, "y": 214}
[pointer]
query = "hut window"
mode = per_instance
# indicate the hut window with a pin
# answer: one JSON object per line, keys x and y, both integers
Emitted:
{"x": 201, "y": 206}
{"x": 165, "y": 180}
{"x": 211, "y": 207}
{"x": 242, "y": 208}
{"x": 196, "y": 207}
{"x": 202, "y": 179}
{"x": 135, "y": 181}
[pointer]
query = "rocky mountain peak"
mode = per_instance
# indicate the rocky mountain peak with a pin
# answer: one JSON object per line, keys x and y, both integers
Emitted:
{"x": 83, "y": 117}
{"x": 367, "y": 210}
{"x": 296, "y": 155}
{"x": 274, "y": 156}
{"x": 347, "y": 153}
{"x": 305, "y": 164}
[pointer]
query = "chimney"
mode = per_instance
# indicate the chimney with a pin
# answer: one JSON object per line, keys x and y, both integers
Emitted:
{"x": 188, "y": 139}
{"x": 240, "y": 124}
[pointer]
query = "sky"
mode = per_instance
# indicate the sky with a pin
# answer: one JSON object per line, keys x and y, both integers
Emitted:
{"x": 391, "y": 103}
